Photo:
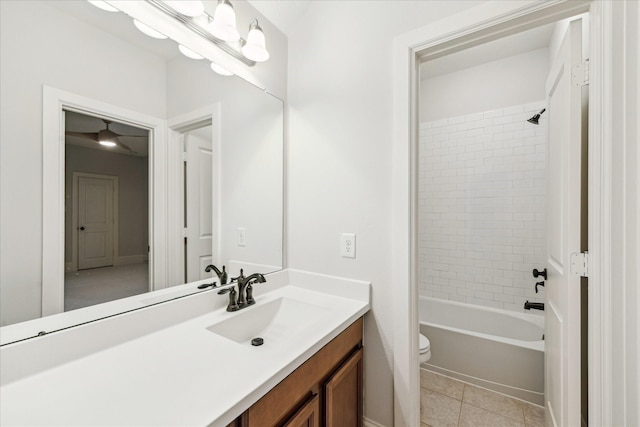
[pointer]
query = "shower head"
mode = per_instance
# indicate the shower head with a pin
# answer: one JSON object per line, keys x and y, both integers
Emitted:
{"x": 536, "y": 117}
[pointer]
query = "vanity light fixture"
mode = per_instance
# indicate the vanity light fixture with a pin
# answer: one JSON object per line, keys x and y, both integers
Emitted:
{"x": 220, "y": 29}
{"x": 255, "y": 47}
{"x": 189, "y": 53}
{"x": 147, "y": 30}
{"x": 223, "y": 25}
{"x": 220, "y": 70}
{"x": 104, "y": 6}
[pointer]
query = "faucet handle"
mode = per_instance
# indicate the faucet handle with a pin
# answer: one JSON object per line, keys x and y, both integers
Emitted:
{"x": 542, "y": 273}
{"x": 233, "y": 300}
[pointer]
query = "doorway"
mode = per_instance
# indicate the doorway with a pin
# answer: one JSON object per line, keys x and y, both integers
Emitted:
{"x": 487, "y": 22}
{"x": 106, "y": 214}
{"x": 491, "y": 210}
{"x": 198, "y": 201}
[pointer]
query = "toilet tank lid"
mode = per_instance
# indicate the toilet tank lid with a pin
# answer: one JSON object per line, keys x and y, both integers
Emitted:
{"x": 424, "y": 343}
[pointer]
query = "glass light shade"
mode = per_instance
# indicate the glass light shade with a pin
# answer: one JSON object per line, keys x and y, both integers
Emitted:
{"x": 220, "y": 70}
{"x": 145, "y": 29}
{"x": 189, "y": 53}
{"x": 108, "y": 143}
{"x": 190, "y": 8}
{"x": 255, "y": 48}
{"x": 104, "y": 6}
{"x": 223, "y": 26}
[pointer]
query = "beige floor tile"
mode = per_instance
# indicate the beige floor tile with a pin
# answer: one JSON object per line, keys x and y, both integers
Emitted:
{"x": 533, "y": 416}
{"x": 472, "y": 416}
{"x": 441, "y": 384}
{"x": 493, "y": 402}
{"x": 438, "y": 410}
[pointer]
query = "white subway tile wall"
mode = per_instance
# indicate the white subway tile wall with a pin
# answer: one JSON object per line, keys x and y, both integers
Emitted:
{"x": 482, "y": 194}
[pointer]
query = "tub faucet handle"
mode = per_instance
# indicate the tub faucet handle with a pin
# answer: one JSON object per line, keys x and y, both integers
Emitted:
{"x": 542, "y": 273}
{"x": 539, "y": 284}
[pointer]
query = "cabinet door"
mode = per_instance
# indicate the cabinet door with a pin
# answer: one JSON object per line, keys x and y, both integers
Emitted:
{"x": 307, "y": 416}
{"x": 343, "y": 394}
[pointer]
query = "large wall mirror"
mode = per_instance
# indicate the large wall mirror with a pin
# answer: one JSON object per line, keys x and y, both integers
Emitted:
{"x": 195, "y": 176}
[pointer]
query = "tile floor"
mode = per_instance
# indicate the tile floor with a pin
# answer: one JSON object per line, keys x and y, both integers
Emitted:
{"x": 448, "y": 402}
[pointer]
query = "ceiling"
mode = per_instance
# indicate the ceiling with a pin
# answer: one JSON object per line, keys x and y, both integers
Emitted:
{"x": 284, "y": 14}
{"x": 77, "y": 122}
{"x": 526, "y": 41}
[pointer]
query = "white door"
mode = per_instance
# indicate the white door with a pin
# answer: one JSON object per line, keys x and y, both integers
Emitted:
{"x": 562, "y": 311}
{"x": 95, "y": 222}
{"x": 199, "y": 208}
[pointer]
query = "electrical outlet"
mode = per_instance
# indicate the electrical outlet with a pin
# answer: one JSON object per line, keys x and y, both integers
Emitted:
{"x": 348, "y": 245}
{"x": 242, "y": 236}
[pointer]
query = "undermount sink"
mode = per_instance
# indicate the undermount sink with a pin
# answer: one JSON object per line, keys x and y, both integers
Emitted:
{"x": 273, "y": 321}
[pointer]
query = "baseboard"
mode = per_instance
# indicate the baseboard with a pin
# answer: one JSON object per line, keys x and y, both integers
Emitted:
{"x": 366, "y": 422}
{"x": 130, "y": 259}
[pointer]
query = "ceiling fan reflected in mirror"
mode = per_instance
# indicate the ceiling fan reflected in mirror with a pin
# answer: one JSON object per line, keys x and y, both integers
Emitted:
{"x": 106, "y": 137}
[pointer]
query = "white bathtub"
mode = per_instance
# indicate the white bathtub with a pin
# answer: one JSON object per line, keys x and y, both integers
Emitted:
{"x": 496, "y": 349}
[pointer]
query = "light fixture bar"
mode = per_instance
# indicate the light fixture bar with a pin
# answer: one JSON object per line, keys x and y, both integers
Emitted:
{"x": 190, "y": 23}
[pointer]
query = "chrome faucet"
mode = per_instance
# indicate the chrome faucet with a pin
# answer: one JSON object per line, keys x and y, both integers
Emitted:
{"x": 245, "y": 291}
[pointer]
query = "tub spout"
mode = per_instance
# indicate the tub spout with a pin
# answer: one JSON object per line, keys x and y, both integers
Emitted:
{"x": 535, "y": 305}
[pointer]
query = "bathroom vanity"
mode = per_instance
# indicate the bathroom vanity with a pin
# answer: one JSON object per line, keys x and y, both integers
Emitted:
{"x": 325, "y": 390}
{"x": 200, "y": 368}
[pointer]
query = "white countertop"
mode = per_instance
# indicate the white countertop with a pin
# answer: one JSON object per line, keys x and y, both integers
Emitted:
{"x": 183, "y": 374}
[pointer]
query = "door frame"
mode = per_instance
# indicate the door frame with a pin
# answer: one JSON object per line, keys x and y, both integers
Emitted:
{"x": 74, "y": 215}
{"x": 54, "y": 103}
{"x": 176, "y": 127}
{"x": 482, "y": 23}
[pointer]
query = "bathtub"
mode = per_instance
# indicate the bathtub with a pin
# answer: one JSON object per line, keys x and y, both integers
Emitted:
{"x": 495, "y": 349}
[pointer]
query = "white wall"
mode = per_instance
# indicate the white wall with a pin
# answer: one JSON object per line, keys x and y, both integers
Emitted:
{"x": 340, "y": 144}
{"x": 132, "y": 173}
{"x": 514, "y": 80}
{"x": 482, "y": 207}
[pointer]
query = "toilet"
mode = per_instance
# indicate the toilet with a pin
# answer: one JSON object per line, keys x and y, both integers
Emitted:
{"x": 425, "y": 349}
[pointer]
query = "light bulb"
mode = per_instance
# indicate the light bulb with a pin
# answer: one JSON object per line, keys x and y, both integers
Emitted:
{"x": 148, "y": 30}
{"x": 108, "y": 143}
{"x": 189, "y": 53}
{"x": 220, "y": 70}
{"x": 223, "y": 26}
{"x": 104, "y": 6}
{"x": 190, "y": 8}
{"x": 255, "y": 48}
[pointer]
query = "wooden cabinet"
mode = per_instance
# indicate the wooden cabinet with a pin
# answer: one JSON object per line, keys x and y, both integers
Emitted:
{"x": 343, "y": 394}
{"x": 307, "y": 416}
{"x": 326, "y": 390}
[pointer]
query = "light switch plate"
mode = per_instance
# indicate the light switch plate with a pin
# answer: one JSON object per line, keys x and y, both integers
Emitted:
{"x": 348, "y": 245}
